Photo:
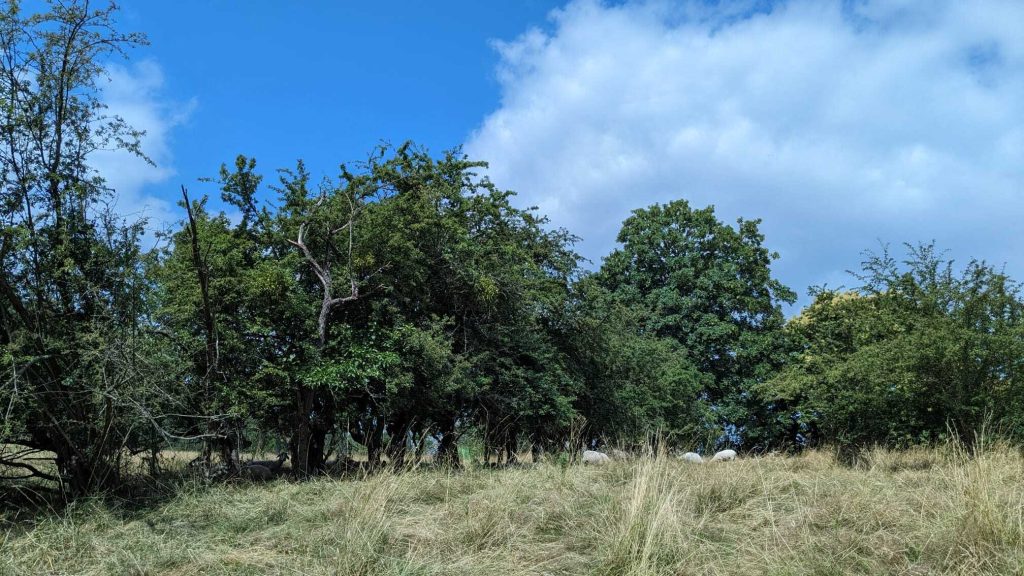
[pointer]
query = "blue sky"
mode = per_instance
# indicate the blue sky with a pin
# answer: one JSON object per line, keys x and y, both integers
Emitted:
{"x": 841, "y": 123}
{"x": 324, "y": 81}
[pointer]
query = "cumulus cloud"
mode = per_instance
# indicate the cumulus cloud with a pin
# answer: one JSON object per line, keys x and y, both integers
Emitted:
{"x": 135, "y": 94}
{"x": 839, "y": 123}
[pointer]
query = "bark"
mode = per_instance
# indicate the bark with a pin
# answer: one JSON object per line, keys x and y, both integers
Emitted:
{"x": 309, "y": 437}
{"x": 448, "y": 448}
{"x": 81, "y": 476}
{"x": 512, "y": 447}
{"x": 203, "y": 277}
{"x": 369, "y": 431}
{"x": 310, "y": 430}
{"x": 219, "y": 438}
{"x": 154, "y": 460}
{"x": 397, "y": 448}
{"x": 328, "y": 302}
{"x": 419, "y": 438}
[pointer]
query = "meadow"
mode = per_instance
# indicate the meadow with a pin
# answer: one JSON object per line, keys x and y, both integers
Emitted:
{"x": 943, "y": 510}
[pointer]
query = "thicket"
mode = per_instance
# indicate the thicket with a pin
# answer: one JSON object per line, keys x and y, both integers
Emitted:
{"x": 409, "y": 303}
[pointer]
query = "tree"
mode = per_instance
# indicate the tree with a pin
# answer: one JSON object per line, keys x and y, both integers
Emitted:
{"x": 70, "y": 284}
{"x": 429, "y": 303}
{"x": 637, "y": 386}
{"x": 918, "y": 351}
{"x": 232, "y": 297}
{"x": 475, "y": 286}
{"x": 709, "y": 287}
{"x": 326, "y": 228}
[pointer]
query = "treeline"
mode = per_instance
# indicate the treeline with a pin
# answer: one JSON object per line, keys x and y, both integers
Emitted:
{"x": 408, "y": 303}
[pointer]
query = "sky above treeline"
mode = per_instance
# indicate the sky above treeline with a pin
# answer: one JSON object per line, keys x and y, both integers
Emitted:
{"x": 842, "y": 124}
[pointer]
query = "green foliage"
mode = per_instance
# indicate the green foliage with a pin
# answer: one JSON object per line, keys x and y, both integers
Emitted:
{"x": 359, "y": 360}
{"x": 638, "y": 385}
{"x": 448, "y": 319}
{"x": 259, "y": 313}
{"x": 71, "y": 284}
{"x": 918, "y": 352}
{"x": 475, "y": 284}
{"x": 708, "y": 287}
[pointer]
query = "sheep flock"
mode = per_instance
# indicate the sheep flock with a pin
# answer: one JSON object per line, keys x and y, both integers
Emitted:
{"x": 593, "y": 457}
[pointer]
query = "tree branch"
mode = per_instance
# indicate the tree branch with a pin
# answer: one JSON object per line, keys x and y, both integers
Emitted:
{"x": 34, "y": 472}
{"x": 203, "y": 276}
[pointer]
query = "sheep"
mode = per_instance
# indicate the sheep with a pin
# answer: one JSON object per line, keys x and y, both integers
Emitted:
{"x": 273, "y": 465}
{"x": 263, "y": 469}
{"x": 724, "y": 456}
{"x": 257, "y": 472}
{"x": 692, "y": 458}
{"x": 594, "y": 457}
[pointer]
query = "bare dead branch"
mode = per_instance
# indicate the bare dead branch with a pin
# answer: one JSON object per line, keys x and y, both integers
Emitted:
{"x": 202, "y": 274}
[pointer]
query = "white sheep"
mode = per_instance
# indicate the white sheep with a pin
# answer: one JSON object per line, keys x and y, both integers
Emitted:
{"x": 724, "y": 456}
{"x": 595, "y": 457}
{"x": 692, "y": 458}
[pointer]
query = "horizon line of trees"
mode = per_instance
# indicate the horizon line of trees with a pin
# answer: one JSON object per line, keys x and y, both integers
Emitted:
{"x": 408, "y": 303}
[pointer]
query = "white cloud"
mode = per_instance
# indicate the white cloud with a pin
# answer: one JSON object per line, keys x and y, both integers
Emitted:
{"x": 135, "y": 94}
{"x": 838, "y": 123}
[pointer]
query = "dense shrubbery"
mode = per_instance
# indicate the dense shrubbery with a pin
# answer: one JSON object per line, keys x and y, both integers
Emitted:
{"x": 409, "y": 303}
{"x": 918, "y": 353}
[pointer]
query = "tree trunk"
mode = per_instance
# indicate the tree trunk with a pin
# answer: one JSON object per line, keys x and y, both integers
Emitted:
{"x": 374, "y": 442}
{"x": 82, "y": 476}
{"x": 397, "y": 447}
{"x": 419, "y": 438}
{"x": 448, "y": 448}
{"x": 488, "y": 445}
{"x": 311, "y": 429}
{"x": 228, "y": 452}
{"x": 511, "y": 446}
{"x": 309, "y": 434}
{"x": 154, "y": 460}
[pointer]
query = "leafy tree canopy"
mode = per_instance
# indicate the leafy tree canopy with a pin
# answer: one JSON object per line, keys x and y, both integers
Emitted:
{"x": 707, "y": 286}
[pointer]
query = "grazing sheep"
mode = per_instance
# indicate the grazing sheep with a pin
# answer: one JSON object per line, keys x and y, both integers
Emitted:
{"x": 724, "y": 455}
{"x": 692, "y": 458}
{"x": 594, "y": 457}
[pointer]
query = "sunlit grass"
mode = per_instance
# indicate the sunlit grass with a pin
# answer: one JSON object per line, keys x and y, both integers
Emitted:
{"x": 926, "y": 511}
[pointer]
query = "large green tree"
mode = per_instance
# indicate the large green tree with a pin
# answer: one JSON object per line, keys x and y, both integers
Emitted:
{"x": 709, "y": 287}
{"x": 71, "y": 290}
{"x": 475, "y": 285}
{"x": 407, "y": 298}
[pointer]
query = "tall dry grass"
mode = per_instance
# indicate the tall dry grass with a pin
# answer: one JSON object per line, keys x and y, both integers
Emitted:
{"x": 926, "y": 511}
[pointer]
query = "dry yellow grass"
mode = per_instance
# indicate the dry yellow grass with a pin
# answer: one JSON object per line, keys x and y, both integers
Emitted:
{"x": 934, "y": 511}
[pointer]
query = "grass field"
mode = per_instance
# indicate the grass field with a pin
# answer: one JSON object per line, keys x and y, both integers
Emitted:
{"x": 934, "y": 511}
